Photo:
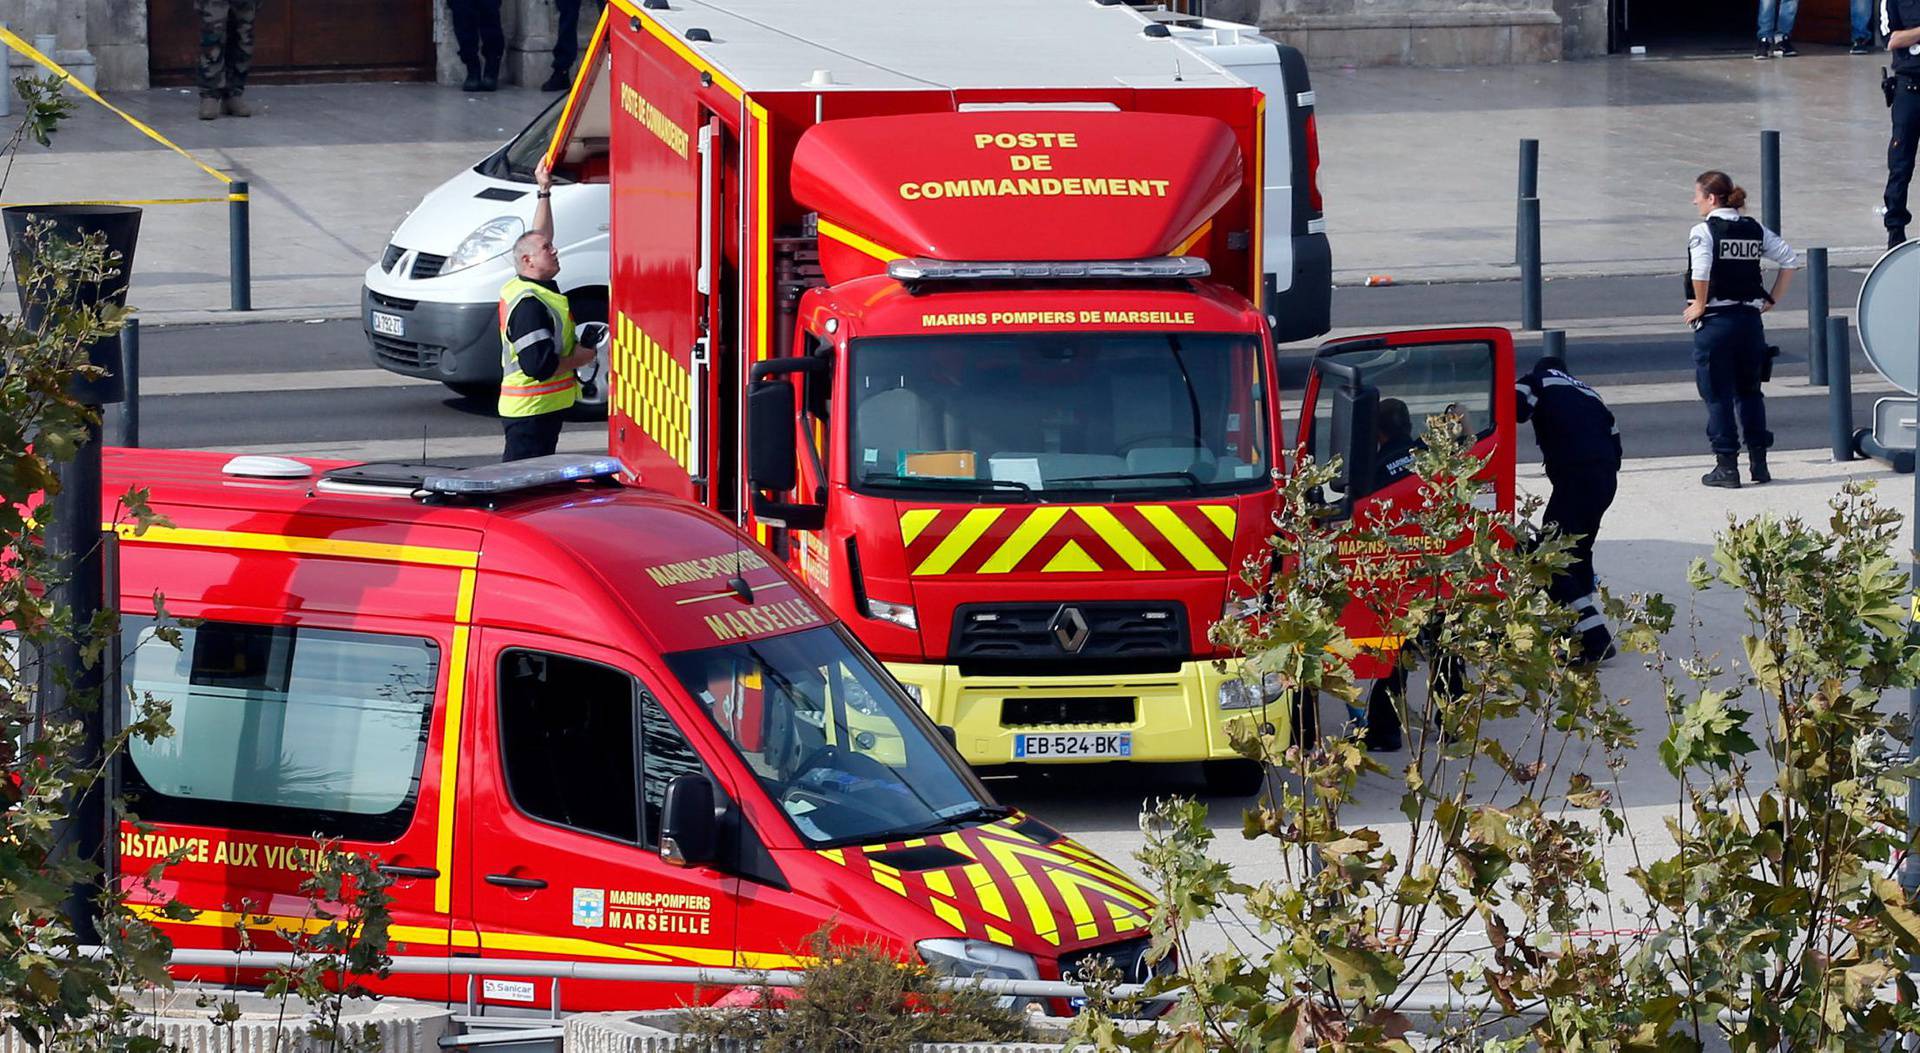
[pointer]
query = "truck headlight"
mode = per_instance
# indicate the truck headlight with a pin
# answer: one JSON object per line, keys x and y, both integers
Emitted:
{"x": 975, "y": 958}
{"x": 1239, "y": 694}
{"x": 488, "y": 240}
{"x": 900, "y": 614}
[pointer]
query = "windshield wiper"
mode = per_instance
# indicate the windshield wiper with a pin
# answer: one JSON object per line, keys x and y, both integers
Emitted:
{"x": 1193, "y": 481}
{"x": 985, "y": 813}
{"x": 935, "y": 482}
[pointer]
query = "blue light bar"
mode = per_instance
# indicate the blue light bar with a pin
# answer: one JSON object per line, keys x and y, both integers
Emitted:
{"x": 514, "y": 476}
{"x": 921, "y": 269}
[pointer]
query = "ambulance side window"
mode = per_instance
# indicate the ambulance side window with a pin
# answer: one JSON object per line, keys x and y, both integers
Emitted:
{"x": 664, "y": 755}
{"x": 282, "y": 728}
{"x": 567, "y": 741}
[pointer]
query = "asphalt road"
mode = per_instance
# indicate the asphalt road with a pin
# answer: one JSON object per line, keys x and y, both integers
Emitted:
{"x": 310, "y": 388}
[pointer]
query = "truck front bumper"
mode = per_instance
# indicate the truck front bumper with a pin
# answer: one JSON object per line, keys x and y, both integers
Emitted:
{"x": 454, "y": 343}
{"x": 1176, "y": 716}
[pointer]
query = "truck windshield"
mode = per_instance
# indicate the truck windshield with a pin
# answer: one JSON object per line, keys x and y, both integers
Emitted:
{"x": 832, "y": 740}
{"x": 1015, "y": 416}
{"x": 516, "y": 160}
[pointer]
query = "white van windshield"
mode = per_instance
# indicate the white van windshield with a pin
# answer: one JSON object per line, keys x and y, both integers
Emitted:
{"x": 516, "y": 160}
{"x": 832, "y": 739}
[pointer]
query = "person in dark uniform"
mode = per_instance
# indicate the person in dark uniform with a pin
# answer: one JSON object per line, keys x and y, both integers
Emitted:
{"x": 1900, "y": 26}
{"x": 482, "y": 43}
{"x": 226, "y": 56}
{"x": 566, "y": 45}
{"x": 1580, "y": 445}
{"x": 1725, "y": 298}
{"x": 1393, "y": 438}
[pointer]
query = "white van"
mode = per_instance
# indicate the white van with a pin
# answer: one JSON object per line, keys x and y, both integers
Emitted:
{"x": 429, "y": 303}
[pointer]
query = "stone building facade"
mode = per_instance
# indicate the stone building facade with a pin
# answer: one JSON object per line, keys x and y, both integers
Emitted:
{"x": 1428, "y": 32}
{"x": 104, "y": 42}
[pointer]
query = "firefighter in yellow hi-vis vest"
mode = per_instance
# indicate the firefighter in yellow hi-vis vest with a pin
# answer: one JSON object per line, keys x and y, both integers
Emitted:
{"x": 537, "y": 347}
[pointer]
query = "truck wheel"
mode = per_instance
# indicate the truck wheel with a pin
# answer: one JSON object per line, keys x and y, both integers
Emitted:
{"x": 1233, "y": 778}
{"x": 474, "y": 389}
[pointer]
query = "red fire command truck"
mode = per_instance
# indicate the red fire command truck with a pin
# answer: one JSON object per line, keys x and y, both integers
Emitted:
{"x": 572, "y": 719}
{"x": 1002, "y": 261}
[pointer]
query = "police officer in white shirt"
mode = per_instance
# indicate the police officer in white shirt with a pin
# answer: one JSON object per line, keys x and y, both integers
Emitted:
{"x": 1725, "y": 298}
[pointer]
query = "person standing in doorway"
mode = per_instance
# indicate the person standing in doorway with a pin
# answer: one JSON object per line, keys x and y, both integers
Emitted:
{"x": 538, "y": 353}
{"x": 1725, "y": 298}
{"x": 566, "y": 45}
{"x": 1860, "y": 15}
{"x": 226, "y": 56}
{"x": 1900, "y": 26}
{"x": 1776, "y": 29}
{"x": 477, "y": 32}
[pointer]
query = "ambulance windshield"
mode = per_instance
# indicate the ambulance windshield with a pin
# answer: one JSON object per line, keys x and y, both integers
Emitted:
{"x": 1073, "y": 414}
{"x": 835, "y": 743}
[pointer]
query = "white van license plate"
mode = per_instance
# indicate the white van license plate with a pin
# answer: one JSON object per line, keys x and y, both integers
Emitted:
{"x": 389, "y": 324}
{"x": 1059, "y": 745}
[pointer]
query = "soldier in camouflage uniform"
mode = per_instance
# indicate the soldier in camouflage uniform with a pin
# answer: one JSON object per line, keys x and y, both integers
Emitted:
{"x": 226, "y": 56}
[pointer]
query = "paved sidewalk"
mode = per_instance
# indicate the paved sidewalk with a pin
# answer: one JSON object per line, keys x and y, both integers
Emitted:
{"x": 1419, "y": 168}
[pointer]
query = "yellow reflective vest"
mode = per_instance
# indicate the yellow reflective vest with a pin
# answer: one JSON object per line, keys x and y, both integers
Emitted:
{"x": 520, "y": 394}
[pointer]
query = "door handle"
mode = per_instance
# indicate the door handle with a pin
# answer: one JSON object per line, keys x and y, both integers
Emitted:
{"x": 509, "y": 881}
{"x": 393, "y": 870}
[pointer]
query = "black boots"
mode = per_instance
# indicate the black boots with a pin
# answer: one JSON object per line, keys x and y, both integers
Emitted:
{"x": 472, "y": 83}
{"x": 490, "y": 76}
{"x": 559, "y": 81}
{"x": 1896, "y": 237}
{"x": 1757, "y": 466}
{"x": 1726, "y": 472}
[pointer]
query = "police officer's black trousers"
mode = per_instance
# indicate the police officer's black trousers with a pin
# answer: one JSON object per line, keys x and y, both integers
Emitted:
{"x": 1582, "y": 493}
{"x": 1729, "y": 350}
{"x": 535, "y": 436}
{"x": 566, "y": 35}
{"x": 1906, "y": 132}
{"x": 477, "y": 32}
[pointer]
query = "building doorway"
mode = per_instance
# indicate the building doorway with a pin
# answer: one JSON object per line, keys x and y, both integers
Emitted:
{"x": 1699, "y": 27}
{"x": 304, "y": 40}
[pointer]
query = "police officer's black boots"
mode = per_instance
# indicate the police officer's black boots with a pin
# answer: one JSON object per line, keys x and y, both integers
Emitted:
{"x": 1896, "y": 237}
{"x": 1726, "y": 471}
{"x": 490, "y": 76}
{"x": 1757, "y": 466}
{"x": 472, "y": 83}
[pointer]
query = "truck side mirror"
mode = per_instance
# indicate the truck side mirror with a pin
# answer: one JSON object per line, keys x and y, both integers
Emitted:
{"x": 1354, "y": 407}
{"x": 772, "y": 448}
{"x": 689, "y": 833}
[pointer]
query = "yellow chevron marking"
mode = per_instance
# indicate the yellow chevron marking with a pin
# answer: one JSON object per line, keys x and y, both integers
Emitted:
{"x": 1070, "y": 559}
{"x": 1009, "y": 858}
{"x": 1024, "y": 537}
{"x": 941, "y": 882}
{"x": 889, "y": 881}
{"x": 913, "y": 521}
{"x": 1119, "y": 538}
{"x": 834, "y": 854}
{"x": 950, "y": 914}
{"x": 999, "y": 937}
{"x": 1222, "y": 515}
{"x": 990, "y": 899}
{"x": 1181, "y": 537}
{"x": 959, "y": 844}
{"x": 956, "y": 544}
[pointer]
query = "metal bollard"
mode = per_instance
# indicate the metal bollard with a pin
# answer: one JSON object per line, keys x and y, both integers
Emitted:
{"x": 239, "y": 251}
{"x": 1530, "y": 263}
{"x": 1817, "y": 317}
{"x": 1553, "y": 344}
{"x": 130, "y": 380}
{"x": 1770, "y": 180}
{"x": 1840, "y": 388}
{"x": 1529, "y": 187}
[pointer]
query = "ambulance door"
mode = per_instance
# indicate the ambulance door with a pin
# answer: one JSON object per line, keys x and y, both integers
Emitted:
{"x": 1368, "y": 401}
{"x": 573, "y": 756}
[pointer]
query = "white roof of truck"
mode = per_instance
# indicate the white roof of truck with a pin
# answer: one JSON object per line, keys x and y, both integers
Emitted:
{"x": 904, "y": 45}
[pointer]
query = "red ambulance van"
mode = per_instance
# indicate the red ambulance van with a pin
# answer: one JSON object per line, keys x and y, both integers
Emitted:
{"x": 573, "y": 720}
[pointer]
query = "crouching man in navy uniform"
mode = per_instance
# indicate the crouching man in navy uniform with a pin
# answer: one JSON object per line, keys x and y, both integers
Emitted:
{"x": 1580, "y": 445}
{"x": 1725, "y": 299}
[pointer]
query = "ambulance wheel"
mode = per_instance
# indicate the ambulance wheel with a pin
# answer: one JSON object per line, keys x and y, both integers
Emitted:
{"x": 484, "y": 390}
{"x": 1233, "y": 778}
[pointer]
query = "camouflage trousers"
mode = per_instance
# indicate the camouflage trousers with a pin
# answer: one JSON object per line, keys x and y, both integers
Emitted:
{"x": 226, "y": 45}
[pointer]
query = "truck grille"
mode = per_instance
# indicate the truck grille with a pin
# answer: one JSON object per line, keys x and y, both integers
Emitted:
{"x": 1068, "y": 638}
{"x": 392, "y": 303}
{"x": 1055, "y": 712}
{"x": 391, "y": 257}
{"x": 426, "y": 265}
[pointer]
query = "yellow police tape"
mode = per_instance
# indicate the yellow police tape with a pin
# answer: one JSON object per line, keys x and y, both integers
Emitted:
{"x": 13, "y": 41}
